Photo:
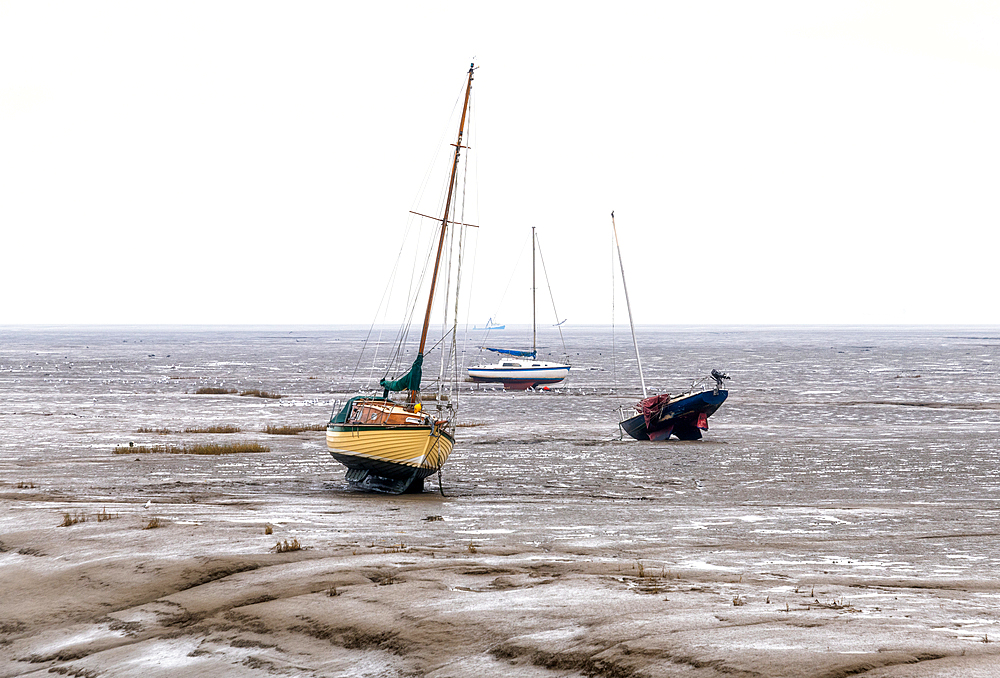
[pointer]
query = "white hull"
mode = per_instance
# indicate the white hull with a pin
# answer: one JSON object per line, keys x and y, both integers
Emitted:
{"x": 521, "y": 372}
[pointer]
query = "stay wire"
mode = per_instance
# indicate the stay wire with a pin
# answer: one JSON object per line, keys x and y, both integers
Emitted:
{"x": 413, "y": 292}
{"x": 382, "y": 307}
{"x": 473, "y": 143}
{"x": 552, "y": 298}
{"x": 513, "y": 274}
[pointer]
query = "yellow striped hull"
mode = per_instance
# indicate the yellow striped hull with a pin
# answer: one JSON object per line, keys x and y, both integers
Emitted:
{"x": 390, "y": 451}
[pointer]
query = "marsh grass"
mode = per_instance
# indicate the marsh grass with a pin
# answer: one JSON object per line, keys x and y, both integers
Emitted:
{"x": 292, "y": 430}
{"x": 214, "y": 390}
{"x": 649, "y": 581}
{"x": 80, "y": 517}
{"x": 104, "y": 515}
{"x": 207, "y": 448}
{"x": 469, "y": 424}
{"x": 72, "y": 519}
{"x": 268, "y": 528}
{"x": 396, "y": 548}
{"x": 21, "y": 485}
{"x": 257, "y": 393}
{"x": 225, "y": 428}
{"x": 153, "y": 524}
{"x": 286, "y": 546}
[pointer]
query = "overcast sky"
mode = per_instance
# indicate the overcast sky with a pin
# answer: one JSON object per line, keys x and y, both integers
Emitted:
{"x": 255, "y": 162}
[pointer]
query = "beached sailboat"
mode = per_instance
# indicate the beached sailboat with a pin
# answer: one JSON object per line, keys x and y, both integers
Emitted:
{"x": 660, "y": 416}
{"x": 520, "y": 370}
{"x": 392, "y": 446}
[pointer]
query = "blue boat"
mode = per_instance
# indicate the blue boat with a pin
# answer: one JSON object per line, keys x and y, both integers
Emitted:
{"x": 660, "y": 416}
{"x": 684, "y": 416}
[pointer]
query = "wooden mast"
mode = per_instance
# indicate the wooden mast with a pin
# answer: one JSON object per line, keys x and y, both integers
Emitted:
{"x": 444, "y": 219}
{"x": 628, "y": 304}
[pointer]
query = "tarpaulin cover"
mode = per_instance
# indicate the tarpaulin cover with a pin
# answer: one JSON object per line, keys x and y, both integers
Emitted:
{"x": 409, "y": 381}
{"x": 650, "y": 407}
{"x": 345, "y": 411}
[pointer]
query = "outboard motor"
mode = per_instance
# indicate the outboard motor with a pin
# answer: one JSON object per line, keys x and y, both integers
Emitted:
{"x": 719, "y": 377}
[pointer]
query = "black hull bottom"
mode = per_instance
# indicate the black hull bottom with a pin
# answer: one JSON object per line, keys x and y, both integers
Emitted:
{"x": 369, "y": 481}
{"x": 679, "y": 418}
{"x": 636, "y": 428}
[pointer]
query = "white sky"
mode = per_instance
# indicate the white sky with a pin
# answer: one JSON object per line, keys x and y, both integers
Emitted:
{"x": 250, "y": 162}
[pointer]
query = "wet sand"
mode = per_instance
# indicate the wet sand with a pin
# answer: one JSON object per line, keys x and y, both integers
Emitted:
{"x": 811, "y": 533}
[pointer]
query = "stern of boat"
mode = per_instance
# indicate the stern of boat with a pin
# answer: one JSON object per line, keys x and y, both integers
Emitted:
{"x": 387, "y": 447}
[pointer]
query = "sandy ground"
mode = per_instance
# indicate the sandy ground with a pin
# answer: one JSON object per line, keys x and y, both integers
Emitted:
{"x": 839, "y": 519}
{"x": 411, "y": 586}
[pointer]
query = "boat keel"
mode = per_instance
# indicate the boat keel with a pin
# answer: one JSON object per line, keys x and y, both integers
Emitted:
{"x": 363, "y": 479}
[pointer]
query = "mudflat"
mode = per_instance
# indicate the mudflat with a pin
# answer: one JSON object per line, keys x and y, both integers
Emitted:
{"x": 824, "y": 527}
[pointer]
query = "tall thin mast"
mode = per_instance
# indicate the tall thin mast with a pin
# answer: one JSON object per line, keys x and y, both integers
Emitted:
{"x": 447, "y": 210}
{"x": 628, "y": 304}
{"x": 534, "y": 348}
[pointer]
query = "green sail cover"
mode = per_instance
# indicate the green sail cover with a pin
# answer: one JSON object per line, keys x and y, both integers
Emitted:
{"x": 409, "y": 381}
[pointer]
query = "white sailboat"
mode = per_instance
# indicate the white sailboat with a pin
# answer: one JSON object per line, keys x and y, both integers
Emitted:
{"x": 520, "y": 370}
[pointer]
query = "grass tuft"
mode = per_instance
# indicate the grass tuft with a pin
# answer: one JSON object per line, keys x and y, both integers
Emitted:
{"x": 104, "y": 515}
{"x": 153, "y": 524}
{"x": 292, "y": 430}
{"x": 225, "y": 428}
{"x": 161, "y": 431}
{"x": 268, "y": 528}
{"x": 257, "y": 393}
{"x": 214, "y": 390}
{"x": 207, "y": 448}
{"x": 72, "y": 519}
{"x": 21, "y": 485}
{"x": 284, "y": 547}
{"x": 469, "y": 424}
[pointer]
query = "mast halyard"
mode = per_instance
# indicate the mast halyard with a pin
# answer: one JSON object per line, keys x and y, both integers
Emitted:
{"x": 444, "y": 219}
{"x": 628, "y": 305}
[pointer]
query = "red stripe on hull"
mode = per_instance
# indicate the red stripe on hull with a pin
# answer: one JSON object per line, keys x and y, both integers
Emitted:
{"x": 516, "y": 384}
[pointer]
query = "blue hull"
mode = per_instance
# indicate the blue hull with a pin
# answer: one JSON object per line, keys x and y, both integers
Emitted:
{"x": 678, "y": 418}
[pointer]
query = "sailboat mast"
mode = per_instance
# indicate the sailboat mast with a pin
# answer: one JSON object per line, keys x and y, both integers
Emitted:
{"x": 447, "y": 210}
{"x": 534, "y": 348}
{"x": 628, "y": 305}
